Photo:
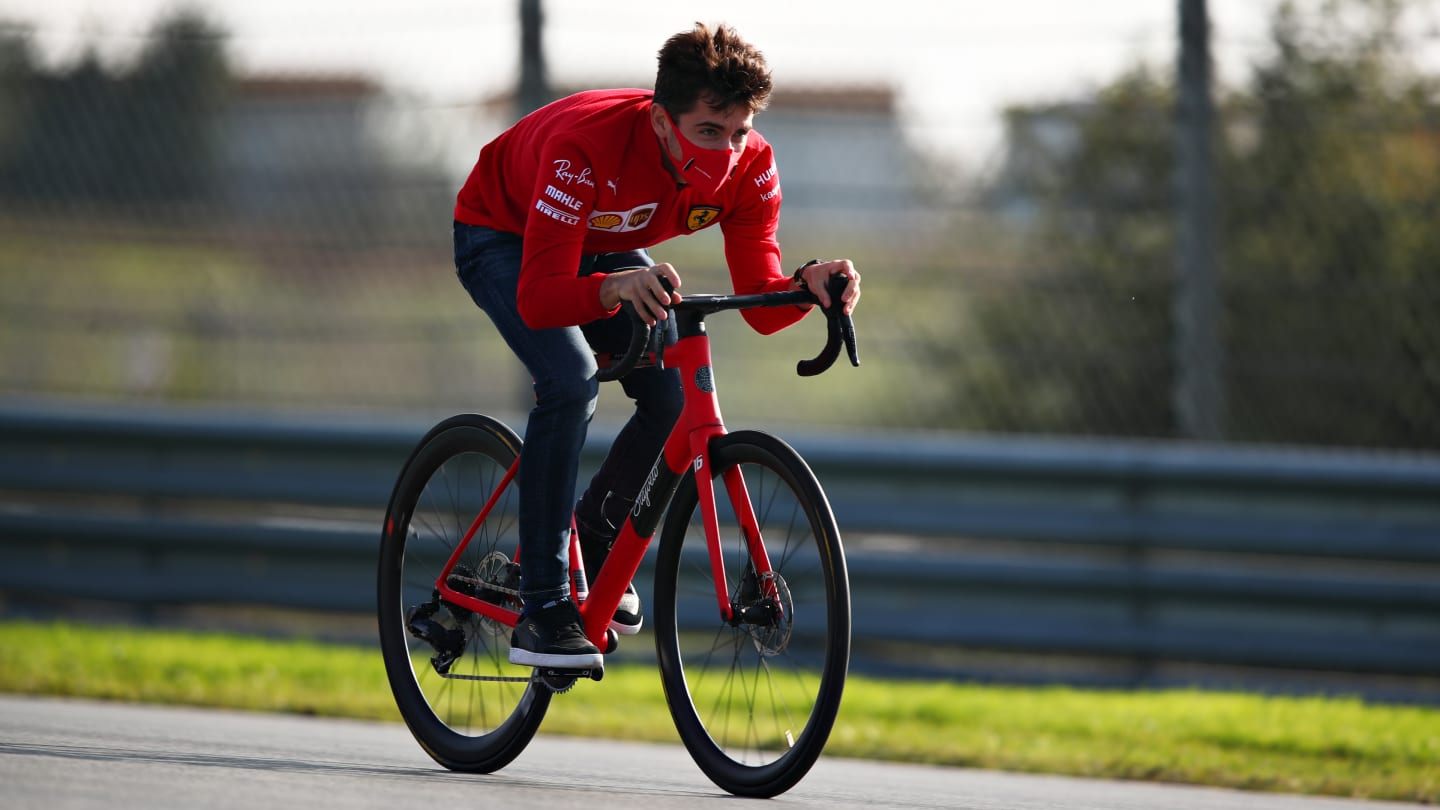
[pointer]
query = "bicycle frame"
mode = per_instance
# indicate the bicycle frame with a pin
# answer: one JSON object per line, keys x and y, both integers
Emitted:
{"x": 687, "y": 447}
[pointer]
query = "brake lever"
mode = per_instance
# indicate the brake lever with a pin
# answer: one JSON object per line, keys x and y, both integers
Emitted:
{"x": 644, "y": 339}
{"x": 661, "y": 335}
{"x": 847, "y": 334}
{"x": 840, "y": 329}
{"x": 664, "y": 332}
{"x": 641, "y": 336}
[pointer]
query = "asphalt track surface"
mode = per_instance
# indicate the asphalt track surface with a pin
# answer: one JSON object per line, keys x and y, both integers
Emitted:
{"x": 60, "y": 754}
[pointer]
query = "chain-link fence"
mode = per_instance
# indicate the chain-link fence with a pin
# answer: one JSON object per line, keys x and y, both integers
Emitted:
{"x": 176, "y": 229}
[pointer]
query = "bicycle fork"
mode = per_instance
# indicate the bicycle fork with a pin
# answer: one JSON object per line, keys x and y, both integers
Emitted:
{"x": 732, "y": 612}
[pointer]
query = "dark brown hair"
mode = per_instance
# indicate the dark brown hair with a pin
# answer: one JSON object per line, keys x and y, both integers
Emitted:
{"x": 716, "y": 65}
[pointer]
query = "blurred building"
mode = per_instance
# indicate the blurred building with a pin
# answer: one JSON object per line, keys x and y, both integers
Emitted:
{"x": 1038, "y": 140}
{"x": 315, "y": 151}
{"x": 844, "y": 158}
{"x": 309, "y": 149}
{"x": 842, "y": 152}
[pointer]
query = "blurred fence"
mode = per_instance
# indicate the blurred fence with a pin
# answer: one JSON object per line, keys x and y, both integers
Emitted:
{"x": 175, "y": 230}
{"x": 1136, "y": 564}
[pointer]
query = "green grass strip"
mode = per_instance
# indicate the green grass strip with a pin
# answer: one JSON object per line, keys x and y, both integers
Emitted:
{"x": 1340, "y": 747}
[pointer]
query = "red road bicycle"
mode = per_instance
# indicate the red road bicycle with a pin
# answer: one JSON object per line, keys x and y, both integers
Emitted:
{"x": 751, "y": 601}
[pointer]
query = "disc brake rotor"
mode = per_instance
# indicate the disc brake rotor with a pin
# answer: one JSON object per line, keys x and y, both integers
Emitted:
{"x": 773, "y": 636}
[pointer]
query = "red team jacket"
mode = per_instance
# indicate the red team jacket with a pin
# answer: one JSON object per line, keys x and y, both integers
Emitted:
{"x": 584, "y": 175}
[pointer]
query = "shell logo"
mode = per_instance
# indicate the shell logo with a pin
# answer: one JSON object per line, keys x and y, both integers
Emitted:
{"x": 622, "y": 221}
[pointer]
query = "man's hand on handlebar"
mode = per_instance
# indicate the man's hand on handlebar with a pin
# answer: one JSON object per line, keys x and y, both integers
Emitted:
{"x": 816, "y": 277}
{"x": 642, "y": 287}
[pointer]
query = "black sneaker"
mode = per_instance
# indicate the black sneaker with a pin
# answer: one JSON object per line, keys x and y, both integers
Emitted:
{"x": 595, "y": 548}
{"x": 627, "y": 618}
{"x": 553, "y": 637}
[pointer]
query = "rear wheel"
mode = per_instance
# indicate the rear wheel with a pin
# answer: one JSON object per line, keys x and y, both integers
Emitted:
{"x": 754, "y": 697}
{"x": 449, "y": 669}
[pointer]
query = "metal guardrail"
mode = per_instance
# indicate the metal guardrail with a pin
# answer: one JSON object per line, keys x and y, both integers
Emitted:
{"x": 1103, "y": 562}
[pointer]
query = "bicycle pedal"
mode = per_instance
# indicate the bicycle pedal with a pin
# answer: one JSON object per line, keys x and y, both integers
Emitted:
{"x": 558, "y": 673}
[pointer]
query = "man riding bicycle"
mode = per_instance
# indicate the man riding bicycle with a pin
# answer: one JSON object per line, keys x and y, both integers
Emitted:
{"x": 551, "y": 230}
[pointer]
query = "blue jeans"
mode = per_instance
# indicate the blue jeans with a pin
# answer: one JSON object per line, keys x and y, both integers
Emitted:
{"x": 562, "y": 364}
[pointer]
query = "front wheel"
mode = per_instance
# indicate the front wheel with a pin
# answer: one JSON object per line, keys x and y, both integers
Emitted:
{"x": 449, "y": 668}
{"x": 754, "y": 697}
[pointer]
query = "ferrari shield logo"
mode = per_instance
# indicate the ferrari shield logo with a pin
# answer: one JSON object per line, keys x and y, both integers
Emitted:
{"x": 700, "y": 216}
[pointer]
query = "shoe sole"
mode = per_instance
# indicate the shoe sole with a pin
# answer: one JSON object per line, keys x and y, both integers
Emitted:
{"x": 560, "y": 661}
{"x": 626, "y": 629}
{"x": 627, "y": 621}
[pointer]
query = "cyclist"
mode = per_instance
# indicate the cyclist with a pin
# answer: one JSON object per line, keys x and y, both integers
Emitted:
{"x": 551, "y": 230}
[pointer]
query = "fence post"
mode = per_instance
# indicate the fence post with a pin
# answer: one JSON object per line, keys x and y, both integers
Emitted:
{"x": 1199, "y": 395}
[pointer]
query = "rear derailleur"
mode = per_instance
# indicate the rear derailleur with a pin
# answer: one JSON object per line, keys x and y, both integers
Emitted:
{"x": 448, "y": 642}
{"x": 497, "y": 581}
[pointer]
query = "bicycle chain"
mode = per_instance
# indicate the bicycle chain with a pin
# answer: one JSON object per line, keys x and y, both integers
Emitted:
{"x": 486, "y": 585}
{"x": 492, "y": 678}
{"x": 557, "y": 683}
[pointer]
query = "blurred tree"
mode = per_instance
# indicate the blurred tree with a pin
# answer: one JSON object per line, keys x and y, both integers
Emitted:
{"x": 1077, "y": 340}
{"x": 85, "y": 134}
{"x": 17, "y": 70}
{"x": 1329, "y": 186}
{"x": 1333, "y": 261}
{"x": 65, "y": 127}
{"x": 175, "y": 95}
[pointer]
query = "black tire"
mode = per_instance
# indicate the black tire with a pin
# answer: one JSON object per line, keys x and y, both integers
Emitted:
{"x": 754, "y": 703}
{"x": 465, "y": 725}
